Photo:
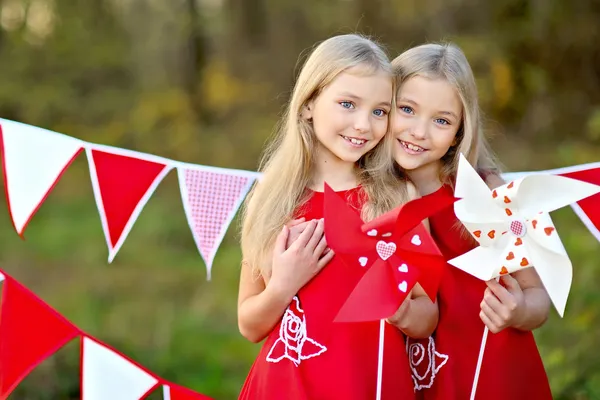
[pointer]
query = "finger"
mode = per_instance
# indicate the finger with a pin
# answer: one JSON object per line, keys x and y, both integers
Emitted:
{"x": 499, "y": 291}
{"x": 304, "y": 236}
{"x": 492, "y": 301}
{"x": 281, "y": 240}
{"x": 325, "y": 259}
{"x": 491, "y": 326}
{"x": 508, "y": 300}
{"x": 512, "y": 285}
{"x": 320, "y": 249}
{"x": 317, "y": 235}
{"x": 491, "y": 314}
{"x": 295, "y": 222}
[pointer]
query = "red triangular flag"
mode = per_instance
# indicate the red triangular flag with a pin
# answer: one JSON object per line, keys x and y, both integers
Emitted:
{"x": 588, "y": 209}
{"x": 123, "y": 184}
{"x": 30, "y": 331}
{"x": 211, "y": 197}
{"x": 174, "y": 392}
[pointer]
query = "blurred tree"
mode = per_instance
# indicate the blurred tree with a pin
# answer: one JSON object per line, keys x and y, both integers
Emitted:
{"x": 204, "y": 81}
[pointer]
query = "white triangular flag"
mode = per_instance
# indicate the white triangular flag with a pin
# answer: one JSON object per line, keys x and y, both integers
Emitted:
{"x": 107, "y": 375}
{"x": 211, "y": 197}
{"x": 33, "y": 161}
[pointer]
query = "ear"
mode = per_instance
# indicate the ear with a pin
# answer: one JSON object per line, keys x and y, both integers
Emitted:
{"x": 307, "y": 111}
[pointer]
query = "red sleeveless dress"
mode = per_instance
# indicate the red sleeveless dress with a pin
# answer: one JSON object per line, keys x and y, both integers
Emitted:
{"x": 444, "y": 366}
{"x": 308, "y": 357}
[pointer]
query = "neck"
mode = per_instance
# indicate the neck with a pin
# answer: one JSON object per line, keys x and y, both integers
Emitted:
{"x": 328, "y": 168}
{"x": 426, "y": 178}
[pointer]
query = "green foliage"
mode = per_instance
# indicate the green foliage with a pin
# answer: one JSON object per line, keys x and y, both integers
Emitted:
{"x": 204, "y": 82}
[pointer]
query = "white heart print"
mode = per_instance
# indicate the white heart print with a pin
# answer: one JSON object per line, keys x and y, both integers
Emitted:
{"x": 403, "y": 286}
{"x": 363, "y": 261}
{"x": 372, "y": 232}
{"x": 385, "y": 250}
{"x": 403, "y": 268}
{"x": 416, "y": 240}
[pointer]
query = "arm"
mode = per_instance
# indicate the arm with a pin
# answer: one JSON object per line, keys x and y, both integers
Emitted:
{"x": 418, "y": 316}
{"x": 537, "y": 302}
{"x": 260, "y": 306}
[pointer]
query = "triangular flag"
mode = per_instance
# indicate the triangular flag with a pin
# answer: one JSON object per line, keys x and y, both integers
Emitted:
{"x": 30, "y": 331}
{"x": 123, "y": 184}
{"x": 211, "y": 198}
{"x": 588, "y": 209}
{"x": 108, "y": 375}
{"x": 174, "y": 392}
{"x": 33, "y": 160}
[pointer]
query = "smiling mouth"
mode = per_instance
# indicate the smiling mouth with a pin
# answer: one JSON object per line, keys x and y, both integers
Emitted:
{"x": 354, "y": 141}
{"x": 413, "y": 148}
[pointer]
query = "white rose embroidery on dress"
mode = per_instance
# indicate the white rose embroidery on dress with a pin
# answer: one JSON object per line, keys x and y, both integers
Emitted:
{"x": 293, "y": 342}
{"x": 425, "y": 363}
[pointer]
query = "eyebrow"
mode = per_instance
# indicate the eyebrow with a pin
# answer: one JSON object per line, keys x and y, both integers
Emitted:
{"x": 405, "y": 100}
{"x": 355, "y": 97}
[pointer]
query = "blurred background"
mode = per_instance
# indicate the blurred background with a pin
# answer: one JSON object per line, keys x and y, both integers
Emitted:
{"x": 204, "y": 81}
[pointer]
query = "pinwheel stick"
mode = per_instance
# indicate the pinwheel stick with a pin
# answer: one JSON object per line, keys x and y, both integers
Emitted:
{"x": 380, "y": 358}
{"x": 486, "y": 330}
{"x": 479, "y": 362}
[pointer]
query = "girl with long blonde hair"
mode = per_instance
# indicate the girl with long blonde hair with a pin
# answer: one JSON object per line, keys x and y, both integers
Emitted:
{"x": 436, "y": 119}
{"x": 291, "y": 284}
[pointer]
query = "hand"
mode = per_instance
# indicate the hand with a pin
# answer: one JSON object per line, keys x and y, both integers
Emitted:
{"x": 297, "y": 226}
{"x": 295, "y": 266}
{"x": 398, "y": 318}
{"x": 503, "y": 306}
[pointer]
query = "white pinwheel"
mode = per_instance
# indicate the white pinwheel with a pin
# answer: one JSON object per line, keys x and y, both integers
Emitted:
{"x": 513, "y": 227}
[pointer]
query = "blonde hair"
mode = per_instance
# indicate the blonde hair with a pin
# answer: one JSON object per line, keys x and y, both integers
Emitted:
{"x": 287, "y": 162}
{"x": 447, "y": 61}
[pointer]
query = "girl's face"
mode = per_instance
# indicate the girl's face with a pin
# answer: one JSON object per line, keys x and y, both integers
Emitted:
{"x": 350, "y": 115}
{"x": 425, "y": 123}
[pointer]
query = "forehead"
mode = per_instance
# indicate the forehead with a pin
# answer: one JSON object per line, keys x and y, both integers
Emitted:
{"x": 434, "y": 93}
{"x": 365, "y": 85}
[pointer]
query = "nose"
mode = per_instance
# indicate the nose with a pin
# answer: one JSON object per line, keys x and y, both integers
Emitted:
{"x": 419, "y": 129}
{"x": 362, "y": 123}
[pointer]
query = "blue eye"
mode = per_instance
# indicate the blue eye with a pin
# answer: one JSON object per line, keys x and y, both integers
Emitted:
{"x": 380, "y": 112}
{"x": 442, "y": 121}
{"x": 346, "y": 104}
{"x": 406, "y": 109}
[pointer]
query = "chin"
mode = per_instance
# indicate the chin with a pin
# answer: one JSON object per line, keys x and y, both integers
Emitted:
{"x": 349, "y": 156}
{"x": 408, "y": 164}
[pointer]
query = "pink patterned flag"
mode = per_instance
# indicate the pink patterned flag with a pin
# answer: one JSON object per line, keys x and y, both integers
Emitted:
{"x": 211, "y": 197}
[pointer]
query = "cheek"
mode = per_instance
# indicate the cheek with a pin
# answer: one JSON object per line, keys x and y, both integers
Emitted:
{"x": 443, "y": 140}
{"x": 380, "y": 127}
{"x": 399, "y": 123}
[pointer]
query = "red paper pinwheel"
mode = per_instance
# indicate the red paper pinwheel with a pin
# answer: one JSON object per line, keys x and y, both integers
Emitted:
{"x": 396, "y": 248}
